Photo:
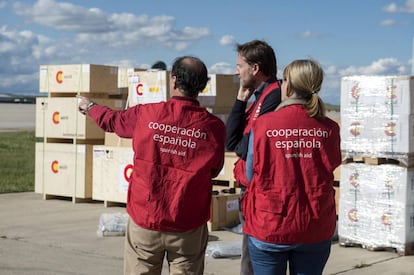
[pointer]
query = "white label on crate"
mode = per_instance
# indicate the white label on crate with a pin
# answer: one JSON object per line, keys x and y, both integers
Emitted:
{"x": 86, "y": 68}
{"x": 43, "y": 70}
{"x": 161, "y": 76}
{"x": 98, "y": 153}
{"x": 113, "y": 70}
{"x": 134, "y": 79}
{"x": 232, "y": 205}
{"x": 81, "y": 149}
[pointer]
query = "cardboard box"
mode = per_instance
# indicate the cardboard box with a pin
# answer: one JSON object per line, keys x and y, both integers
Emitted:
{"x": 59, "y": 117}
{"x": 63, "y": 169}
{"x": 111, "y": 139}
{"x": 226, "y": 173}
{"x": 337, "y": 196}
{"x": 224, "y": 211}
{"x": 148, "y": 87}
{"x": 112, "y": 168}
{"x": 337, "y": 173}
{"x": 78, "y": 78}
{"x": 220, "y": 93}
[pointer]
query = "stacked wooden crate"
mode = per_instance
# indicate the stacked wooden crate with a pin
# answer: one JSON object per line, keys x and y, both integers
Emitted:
{"x": 377, "y": 176}
{"x": 66, "y": 137}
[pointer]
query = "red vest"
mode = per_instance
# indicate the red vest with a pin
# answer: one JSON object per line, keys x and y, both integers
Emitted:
{"x": 252, "y": 113}
{"x": 291, "y": 199}
{"x": 178, "y": 149}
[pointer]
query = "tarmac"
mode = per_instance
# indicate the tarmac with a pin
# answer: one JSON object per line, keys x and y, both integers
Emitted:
{"x": 40, "y": 236}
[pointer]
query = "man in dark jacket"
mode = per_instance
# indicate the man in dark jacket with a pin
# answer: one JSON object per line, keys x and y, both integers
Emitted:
{"x": 257, "y": 70}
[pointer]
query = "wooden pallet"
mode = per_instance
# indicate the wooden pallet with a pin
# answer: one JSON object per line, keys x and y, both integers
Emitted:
{"x": 114, "y": 204}
{"x": 372, "y": 160}
{"x": 67, "y": 198}
{"x": 407, "y": 249}
{"x": 224, "y": 183}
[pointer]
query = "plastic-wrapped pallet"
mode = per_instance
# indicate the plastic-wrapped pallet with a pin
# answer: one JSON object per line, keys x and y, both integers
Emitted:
{"x": 377, "y": 206}
{"x": 377, "y": 115}
{"x": 112, "y": 224}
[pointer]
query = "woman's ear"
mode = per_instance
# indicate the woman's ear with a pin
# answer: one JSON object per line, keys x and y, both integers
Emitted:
{"x": 289, "y": 91}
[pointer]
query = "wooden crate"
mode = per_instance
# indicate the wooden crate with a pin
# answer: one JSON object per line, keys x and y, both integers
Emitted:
{"x": 112, "y": 167}
{"x": 73, "y": 78}
{"x": 63, "y": 170}
{"x": 148, "y": 87}
{"x": 226, "y": 174}
{"x": 59, "y": 117}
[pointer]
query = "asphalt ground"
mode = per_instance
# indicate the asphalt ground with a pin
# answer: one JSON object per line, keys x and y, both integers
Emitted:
{"x": 58, "y": 236}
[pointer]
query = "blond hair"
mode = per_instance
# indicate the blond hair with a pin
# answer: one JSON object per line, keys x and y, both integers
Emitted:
{"x": 305, "y": 78}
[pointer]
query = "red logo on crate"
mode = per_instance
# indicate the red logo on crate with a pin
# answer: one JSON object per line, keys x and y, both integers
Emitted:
{"x": 55, "y": 166}
{"x": 391, "y": 92}
{"x": 128, "y": 172}
{"x": 386, "y": 218}
{"x": 354, "y": 179}
{"x": 140, "y": 89}
{"x": 355, "y": 92}
{"x": 56, "y": 117}
{"x": 389, "y": 184}
{"x": 353, "y": 215}
{"x": 390, "y": 129}
{"x": 59, "y": 77}
{"x": 355, "y": 129}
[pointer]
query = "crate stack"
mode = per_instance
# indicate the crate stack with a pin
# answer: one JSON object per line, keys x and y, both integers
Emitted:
{"x": 64, "y": 151}
{"x": 113, "y": 161}
{"x": 376, "y": 209}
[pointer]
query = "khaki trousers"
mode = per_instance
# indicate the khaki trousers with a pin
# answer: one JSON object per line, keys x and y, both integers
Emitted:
{"x": 145, "y": 250}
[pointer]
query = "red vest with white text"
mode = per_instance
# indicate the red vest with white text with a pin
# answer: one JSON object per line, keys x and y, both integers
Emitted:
{"x": 178, "y": 149}
{"x": 291, "y": 199}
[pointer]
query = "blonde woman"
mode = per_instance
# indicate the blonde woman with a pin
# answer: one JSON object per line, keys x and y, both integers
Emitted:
{"x": 289, "y": 205}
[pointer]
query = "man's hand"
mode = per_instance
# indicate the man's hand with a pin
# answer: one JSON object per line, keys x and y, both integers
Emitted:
{"x": 244, "y": 93}
{"x": 84, "y": 104}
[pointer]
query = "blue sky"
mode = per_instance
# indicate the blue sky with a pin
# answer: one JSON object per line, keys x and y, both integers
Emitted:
{"x": 348, "y": 37}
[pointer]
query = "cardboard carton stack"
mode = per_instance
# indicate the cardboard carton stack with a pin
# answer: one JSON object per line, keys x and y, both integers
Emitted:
{"x": 376, "y": 207}
{"x": 64, "y": 153}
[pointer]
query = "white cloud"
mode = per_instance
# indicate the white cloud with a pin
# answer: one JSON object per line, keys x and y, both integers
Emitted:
{"x": 394, "y": 8}
{"x": 309, "y": 34}
{"x": 63, "y": 16}
{"x": 222, "y": 68}
{"x": 384, "y": 66}
{"x": 3, "y": 4}
{"x": 226, "y": 40}
{"x": 95, "y": 28}
{"x": 388, "y": 22}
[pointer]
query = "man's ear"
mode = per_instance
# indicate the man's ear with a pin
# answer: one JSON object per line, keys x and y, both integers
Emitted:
{"x": 255, "y": 68}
